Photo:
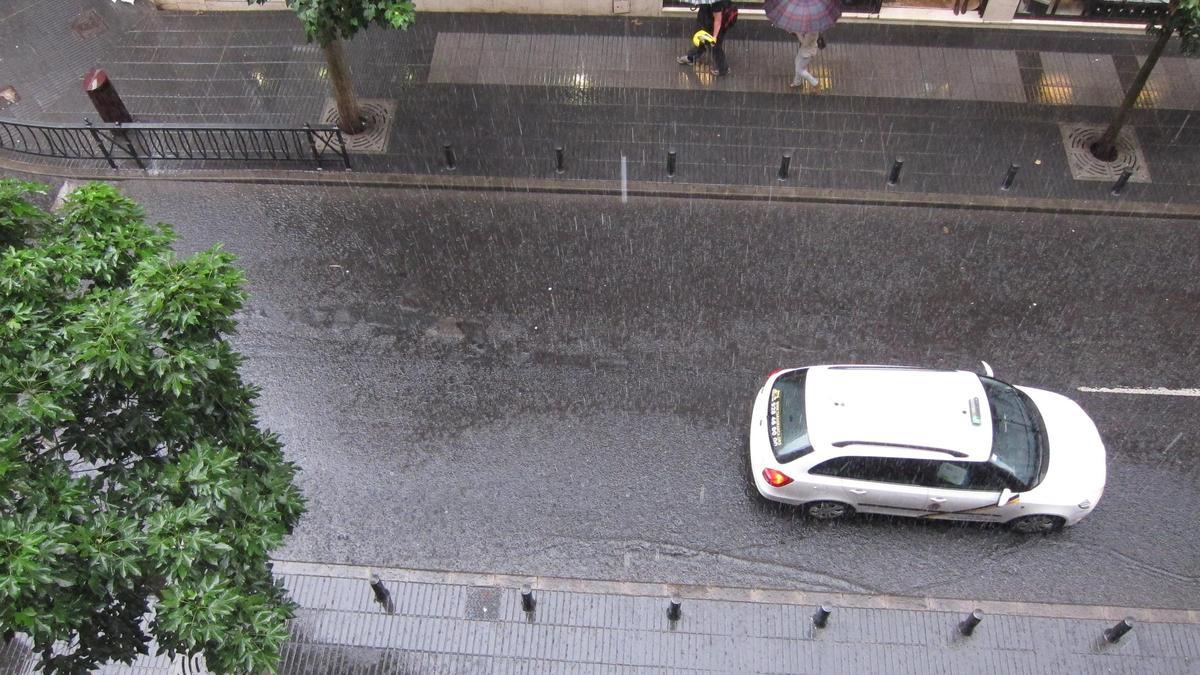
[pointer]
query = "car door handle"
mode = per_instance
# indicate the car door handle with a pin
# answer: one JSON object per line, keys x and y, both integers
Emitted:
{"x": 937, "y": 500}
{"x": 856, "y": 491}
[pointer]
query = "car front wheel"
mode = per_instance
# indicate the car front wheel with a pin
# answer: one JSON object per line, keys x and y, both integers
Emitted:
{"x": 828, "y": 510}
{"x": 1039, "y": 524}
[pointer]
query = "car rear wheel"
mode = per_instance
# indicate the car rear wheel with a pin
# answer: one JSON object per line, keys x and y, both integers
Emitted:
{"x": 828, "y": 510}
{"x": 1038, "y": 524}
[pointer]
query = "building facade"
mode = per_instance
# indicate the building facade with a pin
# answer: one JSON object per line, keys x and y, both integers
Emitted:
{"x": 1062, "y": 14}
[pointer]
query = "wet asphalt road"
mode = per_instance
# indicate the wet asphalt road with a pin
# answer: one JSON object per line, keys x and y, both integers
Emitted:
{"x": 560, "y": 385}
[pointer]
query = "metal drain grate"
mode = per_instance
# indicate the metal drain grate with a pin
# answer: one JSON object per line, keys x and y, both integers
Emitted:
{"x": 379, "y": 113}
{"x": 483, "y": 603}
{"x": 1078, "y": 138}
{"x": 88, "y": 24}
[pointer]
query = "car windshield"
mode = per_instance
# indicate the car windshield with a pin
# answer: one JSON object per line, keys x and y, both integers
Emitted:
{"x": 1018, "y": 437}
{"x": 786, "y": 422}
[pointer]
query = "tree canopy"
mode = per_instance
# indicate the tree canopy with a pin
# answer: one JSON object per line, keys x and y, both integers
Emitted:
{"x": 139, "y": 499}
{"x": 1183, "y": 18}
{"x": 328, "y": 20}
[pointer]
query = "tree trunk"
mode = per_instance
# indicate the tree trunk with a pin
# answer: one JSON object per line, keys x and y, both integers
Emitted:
{"x": 351, "y": 119}
{"x": 1105, "y": 149}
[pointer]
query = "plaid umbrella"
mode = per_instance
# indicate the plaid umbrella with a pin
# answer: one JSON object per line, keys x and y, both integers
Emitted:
{"x": 803, "y": 16}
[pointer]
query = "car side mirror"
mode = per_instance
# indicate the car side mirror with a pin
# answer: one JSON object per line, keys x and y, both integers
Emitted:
{"x": 1006, "y": 496}
{"x": 987, "y": 370}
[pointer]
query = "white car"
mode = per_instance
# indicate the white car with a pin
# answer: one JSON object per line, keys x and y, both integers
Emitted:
{"x": 940, "y": 444}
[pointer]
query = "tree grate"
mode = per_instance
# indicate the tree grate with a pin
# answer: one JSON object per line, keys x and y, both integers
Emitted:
{"x": 1077, "y": 140}
{"x": 379, "y": 114}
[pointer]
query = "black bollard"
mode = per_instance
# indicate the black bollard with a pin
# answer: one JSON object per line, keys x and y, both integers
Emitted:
{"x": 967, "y": 625}
{"x": 1115, "y": 633}
{"x": 784, "y": 164}
{"x": 674, "y": 609}
{"x": 1010, "y": 176}
{"x": 894, "y": 174}
{"x": 821, "y": 616}
{"x": 670, "y": 163}
{"x": 527, "y": 601}
{"x": 382, "y": 595}
{"x": 1120, "y": 184}
{"x": 559, "y": 164}
{"x": 450, "y": 161}
{"x": 104, "y": 97}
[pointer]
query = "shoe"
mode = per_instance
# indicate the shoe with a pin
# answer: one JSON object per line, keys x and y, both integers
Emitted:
{"x": 684, "y": 60}
{"x": 719, "y": 73}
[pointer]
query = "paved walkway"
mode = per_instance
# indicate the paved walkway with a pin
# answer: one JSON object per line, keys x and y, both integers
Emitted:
{"x": 912, "y": 72}
{"x": 957, "y": 105}
{"x": 470, "y": 623}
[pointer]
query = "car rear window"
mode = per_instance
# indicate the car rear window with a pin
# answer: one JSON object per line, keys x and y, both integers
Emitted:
{"x": 787, "y": 425}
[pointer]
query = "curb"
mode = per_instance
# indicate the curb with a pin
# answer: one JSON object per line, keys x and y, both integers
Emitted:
{"x": 633, "y": 189}
{"x": 736, "y": 594}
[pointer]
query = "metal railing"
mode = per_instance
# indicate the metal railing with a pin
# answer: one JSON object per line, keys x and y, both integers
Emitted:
{"x": 143, "y": 142}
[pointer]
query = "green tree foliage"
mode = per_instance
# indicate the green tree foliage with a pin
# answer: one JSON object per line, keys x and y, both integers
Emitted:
{"x": 1183, "y": 19}
{"x": 328, "y": 22}
{"x": 133, "y": 475}
{"x": 325, "y": 21}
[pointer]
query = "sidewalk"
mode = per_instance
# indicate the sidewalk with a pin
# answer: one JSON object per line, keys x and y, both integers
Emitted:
{"x": 957, "y": 105}
{"x": 472, "y": 623}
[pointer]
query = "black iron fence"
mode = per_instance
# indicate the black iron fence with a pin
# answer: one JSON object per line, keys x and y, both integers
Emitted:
{"x": 119, "y": 144}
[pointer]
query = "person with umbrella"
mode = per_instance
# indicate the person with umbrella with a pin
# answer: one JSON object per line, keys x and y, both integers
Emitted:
{"x": 806, "y": 19}
{"x": 716, "y": 18}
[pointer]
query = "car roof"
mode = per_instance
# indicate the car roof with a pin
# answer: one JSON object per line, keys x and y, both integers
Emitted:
{"x": 898, "y": 412}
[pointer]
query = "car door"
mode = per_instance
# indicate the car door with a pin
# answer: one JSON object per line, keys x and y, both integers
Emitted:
{"x": 963, "y": 490}
{"x": 873, "y": 484}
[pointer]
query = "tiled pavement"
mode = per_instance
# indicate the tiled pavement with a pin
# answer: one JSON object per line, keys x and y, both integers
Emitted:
{"x": 917, "y": 72}
{"x": 462, "y": 623}
{"x": 958, "y": 105}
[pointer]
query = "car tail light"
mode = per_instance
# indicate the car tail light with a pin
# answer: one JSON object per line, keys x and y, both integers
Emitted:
{"x": 776, "y": 478}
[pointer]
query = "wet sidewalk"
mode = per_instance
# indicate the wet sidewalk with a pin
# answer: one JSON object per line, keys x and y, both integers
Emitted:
{"x": 475, "y": 623}
{"x": 957, "y": 106}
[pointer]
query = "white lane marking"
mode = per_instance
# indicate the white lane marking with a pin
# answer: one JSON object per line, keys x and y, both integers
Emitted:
{"x": 624, "y": 181}
{"x": 1156, "y": 391}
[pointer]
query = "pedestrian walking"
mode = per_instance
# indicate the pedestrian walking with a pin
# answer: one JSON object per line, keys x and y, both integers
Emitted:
{"x": 810, "y": 43}
{"x": 807, "y": 20}
{"x": 715, "y": 19}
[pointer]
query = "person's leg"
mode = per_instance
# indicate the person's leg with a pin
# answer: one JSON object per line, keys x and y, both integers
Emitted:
{"x": 720, "y": 65}
{"x": 704, "y": 17}
{"x": 805, "y": 54}
{"x": 691, "y": 55}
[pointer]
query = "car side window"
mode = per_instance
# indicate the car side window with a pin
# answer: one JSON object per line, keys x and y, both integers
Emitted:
{"x": 895, "y": 470}
{"x": 922, "y": 472}
{"x": 875, "y": 469}
{"x": 963, "y": 476}
{"x": 832, "y": 467}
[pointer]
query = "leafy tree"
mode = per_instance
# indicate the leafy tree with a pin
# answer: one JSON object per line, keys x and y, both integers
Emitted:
{"x": 328, "y": 22}
{"x": 1183, "y": 19}
{"x": 133, "y": 476}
